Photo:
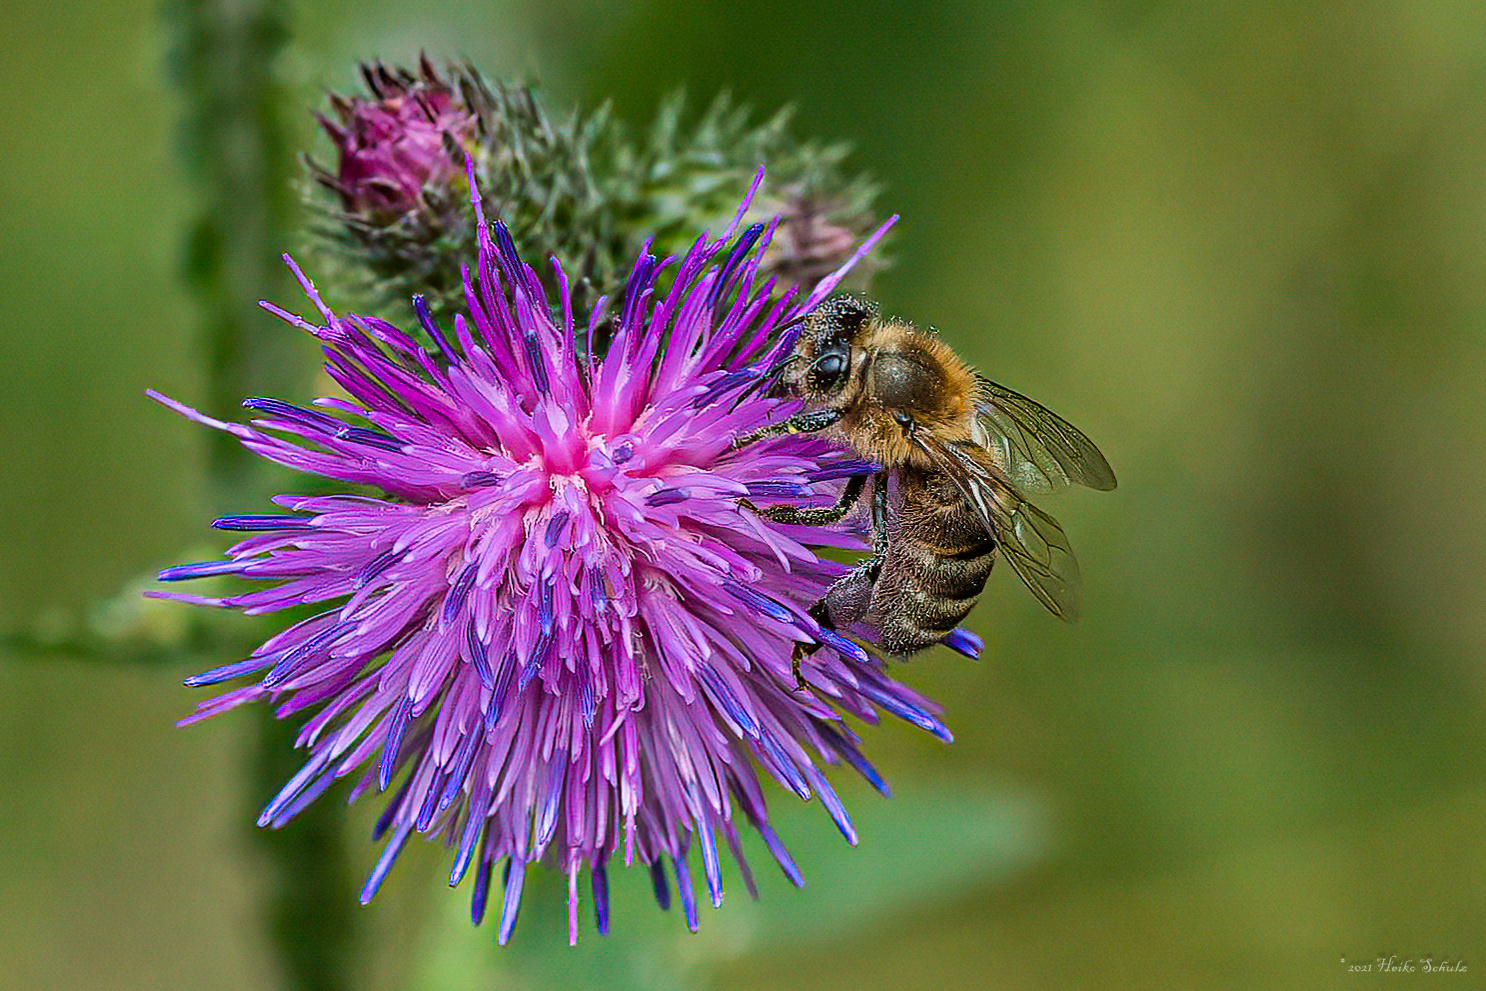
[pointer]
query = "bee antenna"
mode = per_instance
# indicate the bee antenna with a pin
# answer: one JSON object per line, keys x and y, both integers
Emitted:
{"x": 793, "y": 321}
{"x": 747, "y": 391}
{"x": 787, "y": 333}
{"x": 770, "y": 376}
{"x": 776, "y": 371}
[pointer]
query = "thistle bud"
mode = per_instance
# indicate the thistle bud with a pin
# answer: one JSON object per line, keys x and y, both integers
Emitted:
{"x": 675, "y": 177}
{"x": 411, "y": 135}
{"x": 815, "y": 236}
{"x": 403, "y": 225}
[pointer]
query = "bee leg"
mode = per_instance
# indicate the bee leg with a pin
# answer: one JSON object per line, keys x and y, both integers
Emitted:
{"x": 821, "y": 613}
{"x": 807, "y": 422}
{"x": 794, "y": 665}
{"x": 850, "y": 596}
{"x": 823, "y": 516}
{"x": 879, "y": 518}
{"x": 849, "y": 599}
{"x": 846, "y": 601}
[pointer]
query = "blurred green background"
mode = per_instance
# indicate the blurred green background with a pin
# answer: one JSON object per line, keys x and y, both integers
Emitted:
{"x": 1243, "y": 245}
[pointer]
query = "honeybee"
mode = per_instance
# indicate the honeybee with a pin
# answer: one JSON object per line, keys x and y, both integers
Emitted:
{"x": 956, "y": 451}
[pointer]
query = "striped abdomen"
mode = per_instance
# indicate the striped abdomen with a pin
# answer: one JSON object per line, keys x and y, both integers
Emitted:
{"x": 939, "y": 556}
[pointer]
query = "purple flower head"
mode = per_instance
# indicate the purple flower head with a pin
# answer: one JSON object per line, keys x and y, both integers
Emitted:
{"x": 411, "y": 135}
{"x": 556, "y": 636}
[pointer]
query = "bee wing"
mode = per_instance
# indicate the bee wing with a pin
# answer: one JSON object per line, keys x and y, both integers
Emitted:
{"x": 1035, "y": 448}
{"x": 1034, "y": 544}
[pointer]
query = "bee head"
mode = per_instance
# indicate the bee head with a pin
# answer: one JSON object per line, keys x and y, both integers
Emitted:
{"x": 821, "y": 364}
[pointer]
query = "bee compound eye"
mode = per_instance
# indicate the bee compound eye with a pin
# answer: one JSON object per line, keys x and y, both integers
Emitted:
{"x": 829, "y": 369}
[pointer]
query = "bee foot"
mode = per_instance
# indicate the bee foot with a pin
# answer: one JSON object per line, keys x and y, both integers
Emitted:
{"x": 801, "y": 688}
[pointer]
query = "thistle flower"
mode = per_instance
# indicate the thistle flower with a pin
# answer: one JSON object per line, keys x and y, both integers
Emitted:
{"x": 556, "y": 636}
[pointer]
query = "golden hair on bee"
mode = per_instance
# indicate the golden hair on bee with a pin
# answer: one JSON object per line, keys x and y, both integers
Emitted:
{"x": 881, "y": 373}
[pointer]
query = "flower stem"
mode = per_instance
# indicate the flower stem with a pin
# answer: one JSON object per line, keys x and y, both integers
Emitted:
{"x": 234, "y": 144}
{"x": 235, "y": 147}
{"x": 310, "y": 900}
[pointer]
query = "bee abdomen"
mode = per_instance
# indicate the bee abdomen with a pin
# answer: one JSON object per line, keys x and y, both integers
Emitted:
{"x": 923, "y": 592}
